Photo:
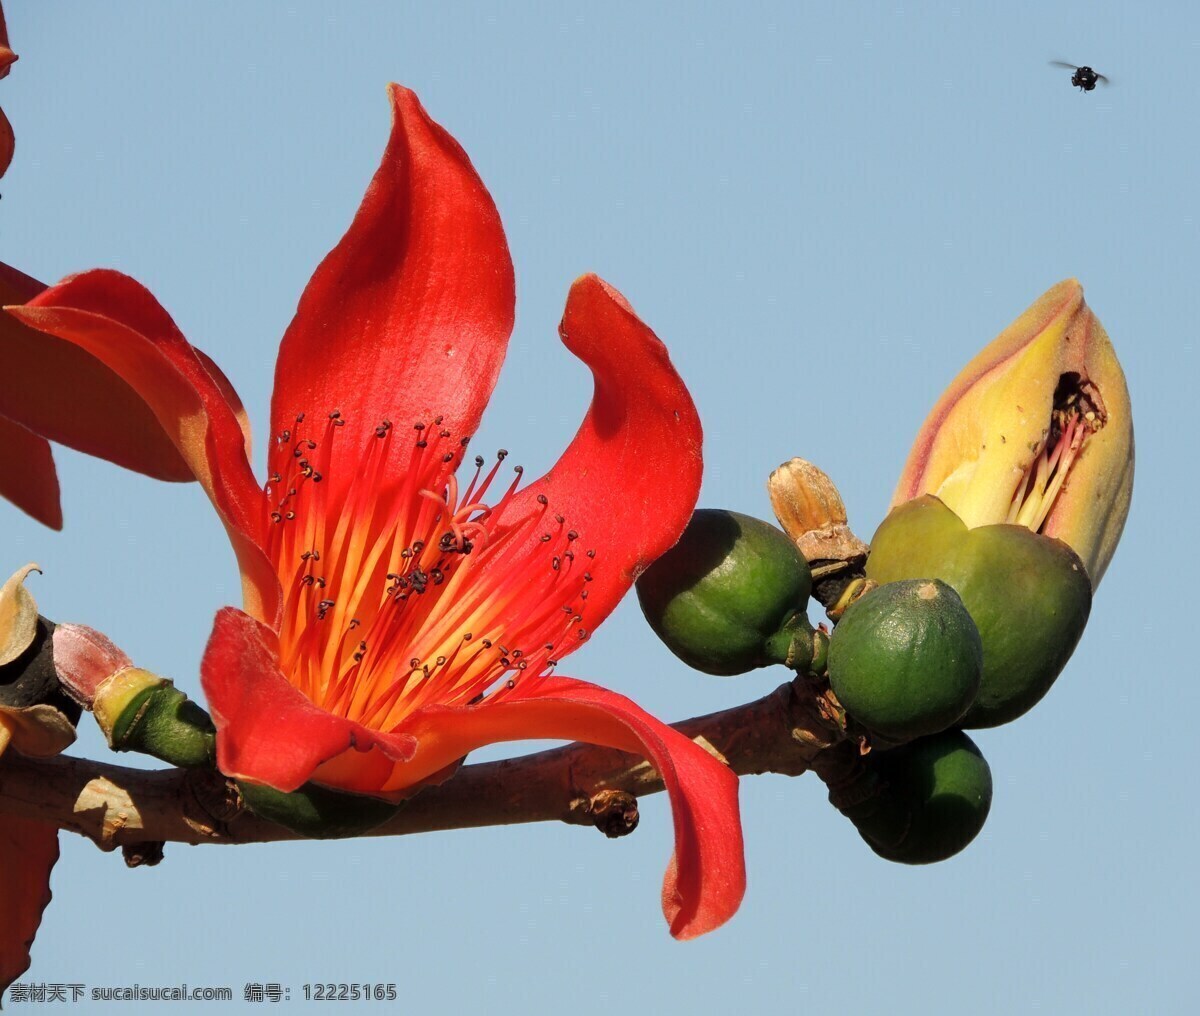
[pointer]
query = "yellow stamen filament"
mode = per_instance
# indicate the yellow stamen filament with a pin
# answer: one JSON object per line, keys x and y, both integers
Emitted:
{"x": 401, "y": 590}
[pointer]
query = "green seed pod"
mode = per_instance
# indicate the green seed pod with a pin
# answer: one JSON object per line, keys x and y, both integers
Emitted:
{"x": 317, "y": 813}
{"x": 905, "y": 659}
{"x": 933, "y": 796}
{"x": 730, "y": 596}
{"x": 1029, "y": 596}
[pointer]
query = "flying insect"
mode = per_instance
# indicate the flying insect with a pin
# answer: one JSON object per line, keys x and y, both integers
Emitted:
{"x": 1084, "y": 78}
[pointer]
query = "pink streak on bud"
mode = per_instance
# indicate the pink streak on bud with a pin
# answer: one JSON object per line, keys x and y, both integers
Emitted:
{"x": 84, "y": 659}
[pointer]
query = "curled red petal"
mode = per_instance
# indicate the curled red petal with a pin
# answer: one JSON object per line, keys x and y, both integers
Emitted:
{"x": 27, "y": 475}
{"x": 706, "y": 878}
{"x": 66, "y": 395}
{"x": 268, "y": 732}
{"x": 630, "y": 478}
{"x": 408, "y": 317}
{"x": 28, "y": 851}
{"x": 118, "y": 321}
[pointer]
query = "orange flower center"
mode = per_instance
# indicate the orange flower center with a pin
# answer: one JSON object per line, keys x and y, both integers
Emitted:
{"x": 1076, "y": 415}
{"x": 403, "y": 591}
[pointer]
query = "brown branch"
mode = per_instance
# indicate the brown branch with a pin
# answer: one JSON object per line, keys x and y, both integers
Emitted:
{"x": 114, "y": 806}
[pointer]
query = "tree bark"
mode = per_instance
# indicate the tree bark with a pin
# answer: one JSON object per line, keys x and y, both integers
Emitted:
{"x": 114, "y": 806}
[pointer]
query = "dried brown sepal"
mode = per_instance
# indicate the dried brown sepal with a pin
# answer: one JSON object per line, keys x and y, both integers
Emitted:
{"x": 812, "y": 513}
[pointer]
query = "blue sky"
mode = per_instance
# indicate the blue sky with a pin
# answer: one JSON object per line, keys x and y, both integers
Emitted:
{"x": 824, "y": 211}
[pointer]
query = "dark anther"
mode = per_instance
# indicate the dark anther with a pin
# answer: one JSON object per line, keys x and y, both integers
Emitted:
{"x": 437, "y": 421}
{"x": 308, "y": 580}
{"x": 572, "y": 535}
{"x": 552, "y": 663}
{"x": 478, "y": 461}
{"x": 587, "y": 576}
{"x": 290, "y": 515}
{"x": 276, "y": 517}
{"x": 422, "y": 444}
{"x": 440, "y": 661}
{"x": 306, "y": 555}
{"x": 522, "y": 665}
{"x": 312, "y": 445}
{"x": 486, "y": 643}
{"x": 583, "y": 595}
{"x": 569, "y": 555}
{"x": 502, "y": 454}
{"x": 542, "y": 499}
{"x": 443, "y": 433}
{"x": 418, "y": 426}
{"x": 559, "y": 519}
{"x": 582, "y": 634}
{"x": 358, "y": 657}
{"x": 544, "y": 538}
{"x": 519, "y": 470}
{"x": 291, "y": 492}
{"x": 297, "y": 452}
{"x": 381, "y": 431}
{"x": 437, "y": 576}
{"x": 323, "y": 608}
{"x": 448, "y": 457}
{"x": 555, "y": 563}
{"x": 354, "y": 623}
{"x": 510, "y": 683}
{"x": 316, "y": 477}
{"x": 467, "y": 636}
{"x": 335, "y": 415}
{"x": 465, "y": 441}
{"x": 418, "y": 546}
{"x": 415, "y": 662}
{"x": 591, "y": 553}
{"x": 285, "y": 436}
{"x": 316, "y": 555}
{"x": 276, "y": 478}
{"x": 300, "y": 418}
{"x": 362, "y": 646}
{"x": 548, "y": 646}
{"x": 517, "y": 654}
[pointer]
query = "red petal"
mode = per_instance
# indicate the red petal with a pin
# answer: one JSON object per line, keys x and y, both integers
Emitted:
{"x": 28, "y": 851}
{"x": 706, "y": 878}
{"x": 7, "y": 56}
{"x": 267, "y": 731}
{"x": 408, "y": 317}
{"x": 119, "y": 322}
{"x": 27, "y": 475}
{"x": 8, "y": 143}
{"x": 630, "y": 478}
{"x": 63, "y": 393}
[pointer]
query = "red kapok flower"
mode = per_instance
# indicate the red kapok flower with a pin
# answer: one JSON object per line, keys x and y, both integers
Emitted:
{"x": 395, "y": 617}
